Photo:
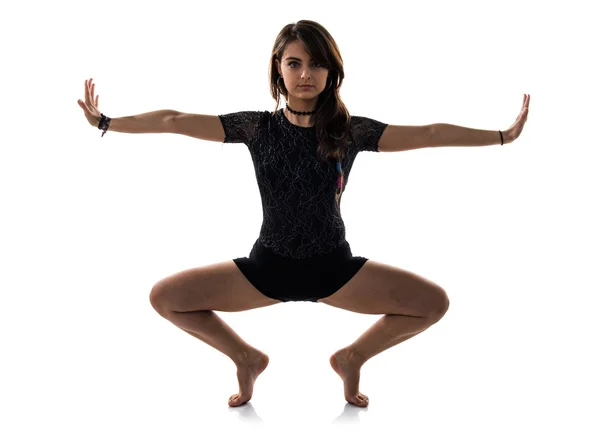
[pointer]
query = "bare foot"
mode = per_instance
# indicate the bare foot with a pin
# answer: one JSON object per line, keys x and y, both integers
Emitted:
{"x": 348, "y": 369}
{"x": 247, "y": 374}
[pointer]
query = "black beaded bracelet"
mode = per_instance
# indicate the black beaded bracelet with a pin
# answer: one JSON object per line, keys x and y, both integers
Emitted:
{"x": 104, "y": 123}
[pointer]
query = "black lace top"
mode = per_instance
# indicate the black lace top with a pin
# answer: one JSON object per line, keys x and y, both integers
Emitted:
{"x": 300, "y": 215}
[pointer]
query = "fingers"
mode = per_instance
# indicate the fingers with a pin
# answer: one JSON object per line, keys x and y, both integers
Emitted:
{"x": 89, "y": 92}
{"x": 90, "y": 99}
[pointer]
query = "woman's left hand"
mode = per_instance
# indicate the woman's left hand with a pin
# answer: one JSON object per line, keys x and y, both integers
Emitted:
{"x": 515, "y": 130}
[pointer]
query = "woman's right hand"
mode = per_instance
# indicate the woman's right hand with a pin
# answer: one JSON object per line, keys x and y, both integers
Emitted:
{"x": 90, "y": 106}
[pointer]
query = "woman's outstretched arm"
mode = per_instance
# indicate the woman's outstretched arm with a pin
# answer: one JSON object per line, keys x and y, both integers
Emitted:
{"x": 449, "y": 135}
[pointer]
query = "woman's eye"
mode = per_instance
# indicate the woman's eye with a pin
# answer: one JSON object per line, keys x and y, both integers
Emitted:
{"x": 295, "y": 62}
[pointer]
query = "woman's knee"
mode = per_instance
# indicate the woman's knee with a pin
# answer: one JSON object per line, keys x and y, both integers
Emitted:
{"x": 157, "y": 298}
{"x": 440, "y": 308}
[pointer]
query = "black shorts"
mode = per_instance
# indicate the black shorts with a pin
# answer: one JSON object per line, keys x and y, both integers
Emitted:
{"x": 287, "y": 279}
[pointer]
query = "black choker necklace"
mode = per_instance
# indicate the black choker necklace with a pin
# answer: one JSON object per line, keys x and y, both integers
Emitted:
{"x": 299, "y": 112}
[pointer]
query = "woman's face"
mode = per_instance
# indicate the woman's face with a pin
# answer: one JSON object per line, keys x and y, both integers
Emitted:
{"x": 297, "y": 68}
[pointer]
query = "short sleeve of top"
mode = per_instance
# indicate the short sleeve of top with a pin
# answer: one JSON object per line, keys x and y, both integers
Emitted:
{"x": 366, "y": 132}
{"x": 241, "y": 126}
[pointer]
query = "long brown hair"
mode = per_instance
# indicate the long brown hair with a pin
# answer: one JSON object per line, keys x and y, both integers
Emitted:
{"x": 332, "y": 120}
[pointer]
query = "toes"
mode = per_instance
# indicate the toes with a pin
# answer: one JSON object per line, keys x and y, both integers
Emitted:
{"x": 237, "y": 400}
{"x": 359, "y": 400}
{"x": 363, "y": 399}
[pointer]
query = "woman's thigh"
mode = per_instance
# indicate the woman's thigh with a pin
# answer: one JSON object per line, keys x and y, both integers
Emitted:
{"x": 379, "y": 288}
{"x": 220, "y": 286}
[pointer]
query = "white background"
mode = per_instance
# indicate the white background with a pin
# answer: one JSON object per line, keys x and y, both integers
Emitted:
{"x": 90, "y": 224}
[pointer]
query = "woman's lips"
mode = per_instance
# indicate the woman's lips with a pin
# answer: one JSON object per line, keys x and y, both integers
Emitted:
{"x": 306, "y": 86}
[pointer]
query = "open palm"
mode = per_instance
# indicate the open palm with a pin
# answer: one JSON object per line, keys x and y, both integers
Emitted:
{"x": 89, "y": 105}
{"x": 515, "y": 130}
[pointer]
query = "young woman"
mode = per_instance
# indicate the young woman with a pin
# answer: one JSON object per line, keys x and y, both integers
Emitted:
{"x": 302, "y": 155}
